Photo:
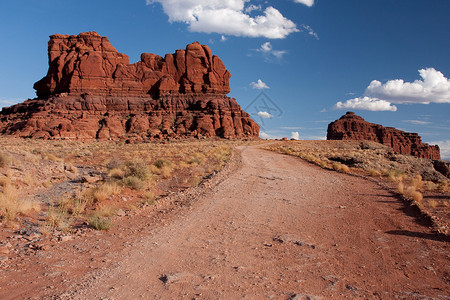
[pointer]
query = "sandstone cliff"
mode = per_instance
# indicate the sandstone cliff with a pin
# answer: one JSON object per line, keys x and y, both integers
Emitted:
{"x": 353, "y": 127}
{"x": 91, "y": 91}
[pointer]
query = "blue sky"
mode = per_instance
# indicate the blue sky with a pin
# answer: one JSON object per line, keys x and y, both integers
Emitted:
{"x": 387, "y": 60}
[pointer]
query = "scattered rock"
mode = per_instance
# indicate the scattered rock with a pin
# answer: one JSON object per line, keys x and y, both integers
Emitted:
{"x": 4, "y": 250}
{"x": 65, "y": 238}
{"x": 353, "y": 127}
{"x": 351, "y": 288}
{"x": 302, "y": 297}
{"x": 171, "y": 278}
{"x": 121, "y": 213}
{"x": 287, "y": 238}
{"x": 91, "y": 179}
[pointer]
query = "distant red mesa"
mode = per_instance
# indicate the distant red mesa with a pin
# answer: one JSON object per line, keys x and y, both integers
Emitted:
{"x": 92, "y": 92}
{"x": 353, "y": 127}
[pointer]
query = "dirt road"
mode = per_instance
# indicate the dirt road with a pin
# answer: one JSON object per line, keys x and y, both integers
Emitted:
{"x": 275, "y": 228}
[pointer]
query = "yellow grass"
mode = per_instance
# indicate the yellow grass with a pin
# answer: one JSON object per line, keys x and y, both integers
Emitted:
{"x": 11, "y": 206}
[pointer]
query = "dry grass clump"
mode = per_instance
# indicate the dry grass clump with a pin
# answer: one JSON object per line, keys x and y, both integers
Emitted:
{"x": 444, "y": 186}
{"x": 374, "y": 173}
{"x": 11, "y": 206}
{"x": 134, "y": 183}
{"x": 163, "y": 167}
{"x": 99, "y": 222}
{"x": 137, "y": 168}
{"x": 5, "y": 160}
{"x": 341, "y": 167}
{"x": 411, "y": 188}
{"x": 57, "y": 218}
{"x": 103, "y": 191}
{"x": 116, "y": 173}
{"x": 133, "y": 173}
{"x": 395, "y": 175}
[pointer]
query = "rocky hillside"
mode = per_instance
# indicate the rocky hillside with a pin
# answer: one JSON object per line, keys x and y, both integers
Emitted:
{"x": 354, "y": 127}
{"x": 91, "y": 91}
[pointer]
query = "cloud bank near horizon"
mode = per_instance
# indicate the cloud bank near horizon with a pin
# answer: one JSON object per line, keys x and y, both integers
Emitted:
{"x": 433, "y": 88}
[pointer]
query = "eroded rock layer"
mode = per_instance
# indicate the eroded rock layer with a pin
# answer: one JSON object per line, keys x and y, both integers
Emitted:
{"x": 91, "y": 91}
{"x": 354, "y": 127}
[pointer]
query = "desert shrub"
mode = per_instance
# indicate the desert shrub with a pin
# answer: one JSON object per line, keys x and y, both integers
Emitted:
{"x": 401, "y": 187}
{"x": 57, "y": 218}
{"x": 134, "y": 183}
{"x": 75, "y": 205}
{"x": 114, "y": 163}
{"x": 106, "y": 211}
{"x": 374, "y": 173}
{"x": 410, "y": 191}
{"x": 337, "y": 166}
{"x": 430, "y": 186}
{"x": 11, "y": 205}
{"x": 443, "y": 186}
{"x": 222, "y": 153}
{"x": 116, "y": 173}
{"x": 417, "y": 182}
{"x": 5, "y": 160}
{"x": 194, "y": 180}
{"x": 161, "y": 163}
{"x": 53, "y": 157}
{"x": 345, "y": 169}
{"x": 102, "y": 192}
{"x": 139, "y": 169}
{"x": 149, "y": 198}
{"x": 194, "y": 160}
{"x": 166, "y": 172}
{"x": 417, "y": 196}
{"x": 100, "y": 223}
{"x": 395, "y": 175}
{"x": 433, "y": 203}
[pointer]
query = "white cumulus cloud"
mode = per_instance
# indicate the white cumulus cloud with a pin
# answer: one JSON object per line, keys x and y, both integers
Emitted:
{"x": 295, "y": 135}
{"x": 268, "y": 136}
{"x": 259, "y": 85}
{"x": 264, "y": 114}
{"x": 252, "y": 7}
{"x": 229, "y": 17}
{"x": 433, "y": 88}
{"x": 269, "y": 53}
{"x": 444, "y": 146}
{"x": 308, "y": 3}
{"x": 366, "y": 103}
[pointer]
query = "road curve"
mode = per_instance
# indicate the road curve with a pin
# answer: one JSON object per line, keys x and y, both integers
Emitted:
{"x": 279, "y": 227}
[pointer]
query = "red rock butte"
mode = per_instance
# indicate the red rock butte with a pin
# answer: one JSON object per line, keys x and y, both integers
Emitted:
{"x": 92, "y": 91}
{"x": 354, "y": 127}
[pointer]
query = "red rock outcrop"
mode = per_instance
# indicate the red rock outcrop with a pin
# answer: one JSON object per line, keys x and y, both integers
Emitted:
{"x": 354, "y": 127}
{"x": 91, "y": 91}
